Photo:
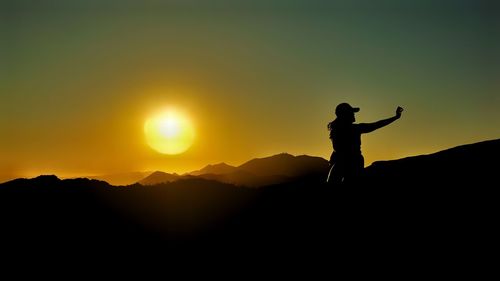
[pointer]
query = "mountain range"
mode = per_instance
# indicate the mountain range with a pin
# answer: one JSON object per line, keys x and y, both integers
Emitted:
{"x": 470, "y": 163}
{"x": 444, "y": 201}
{"x": 275, "y": 169}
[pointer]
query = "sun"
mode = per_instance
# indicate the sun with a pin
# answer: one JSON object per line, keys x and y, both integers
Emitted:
{"x": 169, "y": 132}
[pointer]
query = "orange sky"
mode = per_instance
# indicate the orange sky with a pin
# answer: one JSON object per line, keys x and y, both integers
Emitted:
{"x": 78, "y": 81}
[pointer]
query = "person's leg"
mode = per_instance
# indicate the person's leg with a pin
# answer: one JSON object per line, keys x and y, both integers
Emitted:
{"x": 329, "y": 178}
{"x": 336, "y": 175}
{"x": 359, "y": 169}
{"x": 354, "y": 170}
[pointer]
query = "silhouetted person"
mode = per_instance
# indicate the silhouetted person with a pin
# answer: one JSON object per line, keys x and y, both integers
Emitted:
{"x": 346, "y": 161}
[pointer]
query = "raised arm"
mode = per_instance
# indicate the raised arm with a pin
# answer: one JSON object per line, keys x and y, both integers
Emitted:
{"x": 370, "y": 127}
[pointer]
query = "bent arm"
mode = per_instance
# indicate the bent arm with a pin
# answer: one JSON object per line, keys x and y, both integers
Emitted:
{"x": 370, "y": 127}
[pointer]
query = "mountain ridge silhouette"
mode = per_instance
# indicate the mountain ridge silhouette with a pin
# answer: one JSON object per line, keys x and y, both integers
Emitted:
{"x": 402, "y": 217}
{"x": 217, "y": 169}
{"x": 283, "y": 167}
{"x": 257, "y": 172}
{"x": 124, "y": 178}
{"x": 472, "y": 163}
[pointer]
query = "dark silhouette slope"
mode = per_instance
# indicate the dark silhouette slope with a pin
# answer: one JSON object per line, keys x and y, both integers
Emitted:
{"x": 244, "y": 178}
{"x": 473, "y": 164}
{"x": 396, "y": 212}
{"x": 49, "y": 214}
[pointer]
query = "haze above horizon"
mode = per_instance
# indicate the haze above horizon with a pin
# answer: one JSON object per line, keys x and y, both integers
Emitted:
{"x": 79, "y": 79}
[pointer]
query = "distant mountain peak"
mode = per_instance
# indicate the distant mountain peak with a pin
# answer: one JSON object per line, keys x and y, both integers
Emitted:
{"x": 47, "y": 177}
{"x": 285, "y": 164}
{"x": 216, "y": 169}
{"x": 219, "y": 165}
{"x": 279, "y": 155}
{"x": 273, "y": 169}
{"x": 158, "y": 177}
{"x": 158, "y": 173}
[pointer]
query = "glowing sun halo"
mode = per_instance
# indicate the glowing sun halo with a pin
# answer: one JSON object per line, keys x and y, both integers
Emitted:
{"x": 169, "y": 132}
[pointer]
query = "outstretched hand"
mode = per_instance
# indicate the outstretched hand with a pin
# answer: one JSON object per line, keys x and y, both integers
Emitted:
{"x": 399, "y": 110}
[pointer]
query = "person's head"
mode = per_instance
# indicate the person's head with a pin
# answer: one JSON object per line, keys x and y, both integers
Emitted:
{"x": 345, "y": 112}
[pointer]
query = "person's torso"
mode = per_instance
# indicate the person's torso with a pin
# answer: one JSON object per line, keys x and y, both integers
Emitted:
{"x": 346, "y": 139}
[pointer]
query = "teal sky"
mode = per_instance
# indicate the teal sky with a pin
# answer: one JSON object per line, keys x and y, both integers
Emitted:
{"x": 78, "y": 79}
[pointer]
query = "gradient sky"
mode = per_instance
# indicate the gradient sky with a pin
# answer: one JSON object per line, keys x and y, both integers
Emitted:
{"x": 79, "y": 78}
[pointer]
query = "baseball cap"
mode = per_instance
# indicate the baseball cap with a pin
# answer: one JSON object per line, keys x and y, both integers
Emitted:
{"x": 344, "y": 108}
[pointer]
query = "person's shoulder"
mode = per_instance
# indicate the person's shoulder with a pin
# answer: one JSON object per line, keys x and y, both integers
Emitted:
{"x": 358, "y": 126}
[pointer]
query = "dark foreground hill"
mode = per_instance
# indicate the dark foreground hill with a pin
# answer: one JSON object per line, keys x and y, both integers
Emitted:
{"x": 396, "y": 212}
{"x": 475, "y": 165}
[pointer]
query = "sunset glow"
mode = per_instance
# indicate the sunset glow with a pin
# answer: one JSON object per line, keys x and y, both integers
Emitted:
{"x": 105, "y": 87}
{"x": 169, "y": 132}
